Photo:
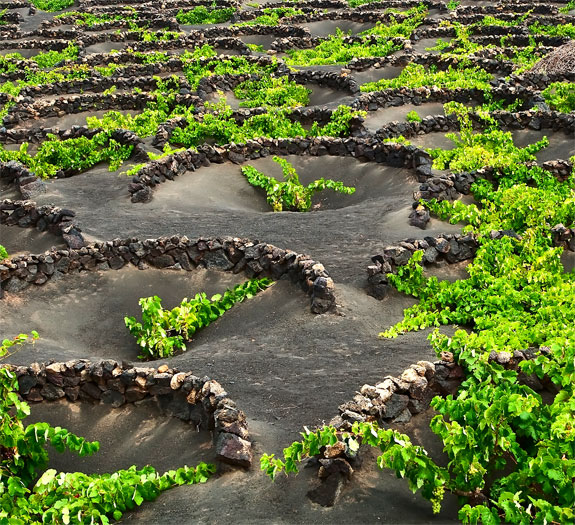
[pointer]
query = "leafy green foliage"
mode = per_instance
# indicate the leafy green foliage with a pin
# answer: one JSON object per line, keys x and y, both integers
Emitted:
{"x": 45, "y": 60}
{"x": 291, "y": 194}
{"x": 472, "y": 151}
{"x": 461, "y": 46}
{"x": 506, "y": 446}
{"x": 71, "y": 155}
{"x": 162, "y": 332}
{"x": 218, "y": 124}
{"x": 272, "y": 16}
{"x": 152, "y": 156}
{"x": 404, "y": 27}
{"x": 202, "y": 15}
{"x": 31, "y": 494}
{"x": 272, "y": 91}
{"x": 52, "y": 5}
{"x": 489, "y": 20}
{"x": 51, "y": 58}
{"x": 67, "y": 497}
{"x": 336, "y": 49}
{"x": 3, "y": 253}
{"x": 398, "y": 453}
{"x": 412, "y": 116}
{"x": 195, "y": 70}
{"x": 416, "y": 75}
{"x": 145, "y": 124}
{"x": 560, "y": 96}
{"x": 90, "y": 19}
{"x": 567, "y": 7}
{"x": 257, "y": 48}
{"x": 339, "y": 123}
{"x": 35, "y": 77}
{"x": 567, "y": 30}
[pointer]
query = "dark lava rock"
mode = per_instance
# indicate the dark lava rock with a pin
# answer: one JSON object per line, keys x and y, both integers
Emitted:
{"x": 419, "y": 217}
{"x": 113, "y": 398}
{"x": 51, "y": 392}
{"x": 234, "y": 450}
{"x": 396, "y": 405}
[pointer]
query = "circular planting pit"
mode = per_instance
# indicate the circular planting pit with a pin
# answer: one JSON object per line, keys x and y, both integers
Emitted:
{"x": 26, "y": 53}
{"x": 435, "y": 139}
{"x": 222, "y": 187}
{"x": 134, "y": 435}
{"x": 72, "y": 306}
{"x": 69, "y": 120}
{"x": 265, "y": 41}
{"x": 105, "y": 47}
{"x": 561, "y": 145}
{"x": 326, "y": 96}
{"x": 377, "y": 119}
{"x": 424, "y": 45}
{"x": 323, "y": 28}
{"x": 28, "y": 240}
{"x": 375, "y": 74}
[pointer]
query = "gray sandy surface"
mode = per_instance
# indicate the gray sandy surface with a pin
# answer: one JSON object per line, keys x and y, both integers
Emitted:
{"x": 28, "y": 240}
{"x": 375, "y": 74}
{"x": 137, "y": 434}
{"x": 324, "y": 28}
{"x": 376, "y": 119}
{"x": 259, "y": 40}
{"x": 561, "y": 146}
{"x": 284, "y": 366}
{"x": 423, "y": 45}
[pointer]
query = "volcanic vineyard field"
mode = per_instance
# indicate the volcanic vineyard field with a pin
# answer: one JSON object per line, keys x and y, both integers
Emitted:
{"x": 229, "y": 226}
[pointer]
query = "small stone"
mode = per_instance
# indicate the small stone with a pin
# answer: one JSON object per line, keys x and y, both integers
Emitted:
{"x": 383, "y": 394}
{"x": 26, "y": 383}
{"x": 52, "y": 392}
{"x": 236, "y": 158}
{"x": 447, "y": 357}
{"x": 352, "y": 416}
{"x": 409, "y": 375}
{"x": 72, "y": 392}
{"x": 419, "y": 218}
{"x": 368, "y": 391}
{"x": 503, "y": 357}
{"x": 177, "y": 380}
{"x": 335, "y": 450}
{"x": 396, "y": 405}
{"x": 92, "y": 390}
{"x": 113, "y": 398}
{"x": 418, "y": 388}
{"x": 234, "y": 450}
{"x": 403, "y": 417}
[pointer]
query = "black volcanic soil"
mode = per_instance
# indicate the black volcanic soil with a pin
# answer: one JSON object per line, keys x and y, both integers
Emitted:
{"x": 284, "y": 366}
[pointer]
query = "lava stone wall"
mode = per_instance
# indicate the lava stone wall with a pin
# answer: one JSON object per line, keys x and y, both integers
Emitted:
{"x": 44, "y": 218}
{"x": 202, "y": 402}
{"x": 255, "y": 259}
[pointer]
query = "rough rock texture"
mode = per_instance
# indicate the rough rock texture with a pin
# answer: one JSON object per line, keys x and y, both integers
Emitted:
{"x": 201, "y": 401}
{"x": 45, "y": 218}
{"x": 178, "y": 253}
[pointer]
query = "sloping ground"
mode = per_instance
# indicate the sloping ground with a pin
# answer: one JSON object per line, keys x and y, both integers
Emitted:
{"x": 286, "y": 367}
